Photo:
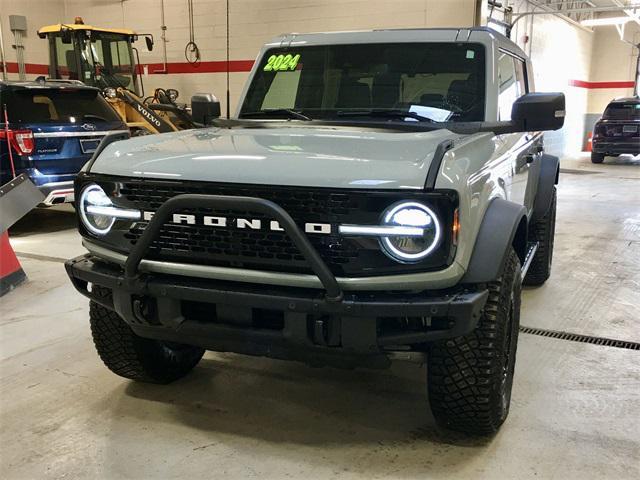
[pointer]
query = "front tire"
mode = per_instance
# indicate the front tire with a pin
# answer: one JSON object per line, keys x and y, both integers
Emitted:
{"x": 543, "y": 231}
{"x": 597, "y": 157}
{"x": 470, "y": 378}
{"x": 134, "y": 357}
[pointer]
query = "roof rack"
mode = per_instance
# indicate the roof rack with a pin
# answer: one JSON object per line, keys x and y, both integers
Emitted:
{"x": 43, "y": 79}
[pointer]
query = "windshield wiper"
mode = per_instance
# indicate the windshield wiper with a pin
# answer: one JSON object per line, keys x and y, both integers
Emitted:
{"x": 90, "y": 116}
{"x": 384, "y": 113}
{"x": 277, "y": 111}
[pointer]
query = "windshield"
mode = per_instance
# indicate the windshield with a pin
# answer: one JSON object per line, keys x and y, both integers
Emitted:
{"x": 106, "y": 59}
{"x": 58, "y": 106}
{"x": 434, "y": 81}
{"x": 622, "y": 111}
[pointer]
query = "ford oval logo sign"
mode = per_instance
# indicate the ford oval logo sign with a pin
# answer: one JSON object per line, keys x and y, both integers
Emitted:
{"x": 88, "y": 126}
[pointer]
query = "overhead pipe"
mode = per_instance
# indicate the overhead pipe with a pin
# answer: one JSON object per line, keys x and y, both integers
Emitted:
{"x": 562, "y": 13}
{"x": 163, "y": 36}
{"x": 3, "y": 62}
{"x": 629, "y": 11}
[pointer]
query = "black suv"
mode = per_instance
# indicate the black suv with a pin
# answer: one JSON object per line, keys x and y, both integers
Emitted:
{"x": 618, "y": 131}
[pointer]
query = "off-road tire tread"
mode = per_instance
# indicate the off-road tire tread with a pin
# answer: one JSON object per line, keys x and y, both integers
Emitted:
{"x": 463, "y": 374}
{"x": 543, "y": 232}
{"x": 134, "y": 357}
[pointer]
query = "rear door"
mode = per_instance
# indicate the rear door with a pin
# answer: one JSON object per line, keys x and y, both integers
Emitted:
{"x": 67, "y": 125}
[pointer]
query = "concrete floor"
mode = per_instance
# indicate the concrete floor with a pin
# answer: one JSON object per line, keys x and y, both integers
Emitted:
{"x": 575, "y": 410}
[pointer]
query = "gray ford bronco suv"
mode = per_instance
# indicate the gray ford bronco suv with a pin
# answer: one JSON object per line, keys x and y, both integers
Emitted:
{"x": 378, "y": 196}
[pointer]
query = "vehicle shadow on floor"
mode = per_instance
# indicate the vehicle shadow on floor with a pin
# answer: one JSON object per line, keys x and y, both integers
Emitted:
{"x": 40, "y": 221}
{"x": 622, "y": 160}
{"x": 283, "y": 402}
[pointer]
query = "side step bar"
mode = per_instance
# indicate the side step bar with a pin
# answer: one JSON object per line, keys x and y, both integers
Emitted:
{"x": 532, "y": 248}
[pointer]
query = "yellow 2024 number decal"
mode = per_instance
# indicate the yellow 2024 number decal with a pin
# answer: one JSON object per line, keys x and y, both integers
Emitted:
{"x": 282, "y": 63}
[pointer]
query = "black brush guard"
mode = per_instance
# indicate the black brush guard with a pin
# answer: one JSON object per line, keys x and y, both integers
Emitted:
{"x": 317, "y": 326}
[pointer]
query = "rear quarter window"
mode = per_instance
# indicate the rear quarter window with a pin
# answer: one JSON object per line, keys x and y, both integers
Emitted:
{"x": 57, "y": 106}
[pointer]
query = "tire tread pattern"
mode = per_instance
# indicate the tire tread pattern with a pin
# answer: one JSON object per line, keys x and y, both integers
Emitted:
{"x": 465, "y": 373}
{"x": 131, "y": 356}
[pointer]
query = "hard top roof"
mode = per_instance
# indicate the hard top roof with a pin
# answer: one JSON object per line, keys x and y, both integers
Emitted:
{"x": 452, "y": 34}
{"x": 73, "y": 26}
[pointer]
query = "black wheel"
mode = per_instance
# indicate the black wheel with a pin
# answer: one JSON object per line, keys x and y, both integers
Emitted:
{"x": 597, "y": 157}
{"x": 470, "y": 378}
{"x": 131, "y": 356}
{"x": 542, "y": 231}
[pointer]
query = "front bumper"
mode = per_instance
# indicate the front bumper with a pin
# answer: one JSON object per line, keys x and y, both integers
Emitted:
{"x": 359, "y": 329}
{"x": 631, "y": 147}
{"x": 325, "y": 325}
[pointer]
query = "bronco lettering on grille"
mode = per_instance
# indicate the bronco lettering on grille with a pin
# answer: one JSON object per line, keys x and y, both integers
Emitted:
{"x": 240, "y": 223}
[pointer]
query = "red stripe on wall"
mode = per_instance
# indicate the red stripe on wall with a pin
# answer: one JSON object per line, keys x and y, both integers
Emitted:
{"x": 246, "y": 65}
{"x": 202, "y": 67}
{"x": 590, "y": 85}
{"x": 156, "y": 68}
{"x": 30, "y": 68}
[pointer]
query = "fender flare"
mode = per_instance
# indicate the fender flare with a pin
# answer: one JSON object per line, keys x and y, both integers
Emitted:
{"x": 549, "y": 173}
{"x": 504, "y": 222}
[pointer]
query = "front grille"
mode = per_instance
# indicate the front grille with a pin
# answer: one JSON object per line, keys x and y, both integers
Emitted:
{"x": 247, "y": 248}
{"x": 265, "y": 249}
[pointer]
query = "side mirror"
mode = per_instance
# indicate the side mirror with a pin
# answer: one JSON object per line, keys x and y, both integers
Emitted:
{"x": 537, "y": 112}
{"x": 204, "y": 108}
{"x": 149, "y": 42}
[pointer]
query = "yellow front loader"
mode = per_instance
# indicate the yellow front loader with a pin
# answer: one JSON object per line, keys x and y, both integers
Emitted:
{"x": 104, "y": 58}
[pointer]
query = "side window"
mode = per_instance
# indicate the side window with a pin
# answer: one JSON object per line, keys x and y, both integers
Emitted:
{"x": 66, "y": 61}
{"x": 521, "y": 77}
{"x": 507, "y": 86}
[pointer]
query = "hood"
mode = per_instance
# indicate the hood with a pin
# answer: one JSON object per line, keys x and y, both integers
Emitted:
{"x": 337, "y": 157}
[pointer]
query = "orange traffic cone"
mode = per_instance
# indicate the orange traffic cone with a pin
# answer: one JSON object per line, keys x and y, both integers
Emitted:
{"x": 11, "y": 273}
{"x": 589, "y": 146}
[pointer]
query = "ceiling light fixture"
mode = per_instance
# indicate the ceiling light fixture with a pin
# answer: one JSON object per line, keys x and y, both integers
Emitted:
{"x": 599, "y": 22}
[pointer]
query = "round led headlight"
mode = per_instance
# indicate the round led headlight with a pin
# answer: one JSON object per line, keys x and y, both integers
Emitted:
{"x": 413, "y": 247}
{"x": 94, "y": 207}
{"x": 97, "y": 212}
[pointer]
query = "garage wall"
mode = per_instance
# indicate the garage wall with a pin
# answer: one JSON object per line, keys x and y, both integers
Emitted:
{"x": 561, "y": 54}
{"x": 590, "y": 66}
{"x": 252, "y": 23}
{"x": 613, "y": 73}
{"x": 38, "y": 13}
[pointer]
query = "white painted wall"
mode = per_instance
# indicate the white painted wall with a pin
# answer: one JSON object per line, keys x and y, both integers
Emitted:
{"x": 38, "y": 13}
{"x": 614, "y": 60}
